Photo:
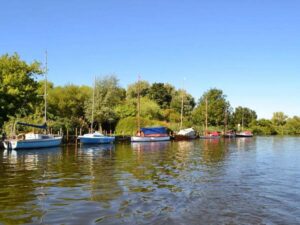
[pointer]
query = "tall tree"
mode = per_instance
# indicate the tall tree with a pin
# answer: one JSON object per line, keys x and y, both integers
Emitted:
{"x": 18, "y": 86}
{"x": 188, "y": 102}
{"x": 216, "y": 106}
{"x": 108, "y": 94}
{"x": 162, "y": 94}
{"x": 243, "y": 116}
{"x": 132, "y": 89}
{"x": 279, "y": 118}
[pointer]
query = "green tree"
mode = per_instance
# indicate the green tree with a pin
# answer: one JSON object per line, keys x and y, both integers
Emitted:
{"x": 162, "y": 94}
{"x": 293, "y": 125}
{"x": 108, "y": 94}
{"x": 18, "y": 86}
{"x": 279, "y": 118}
{"x": 216, "y": 106}
{"x": 68, "y": 101}
{"x": 132, "y": 89}
{"x": 243, "y": 116}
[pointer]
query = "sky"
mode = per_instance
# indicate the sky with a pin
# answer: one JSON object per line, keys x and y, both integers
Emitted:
{"x": 250, "y": 49}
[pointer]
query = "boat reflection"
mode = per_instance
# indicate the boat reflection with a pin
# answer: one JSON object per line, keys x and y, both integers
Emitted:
{"x": 150, "y": 146}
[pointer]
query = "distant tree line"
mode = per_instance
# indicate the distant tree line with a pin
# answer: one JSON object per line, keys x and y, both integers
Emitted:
{"x": 70, "y": 106}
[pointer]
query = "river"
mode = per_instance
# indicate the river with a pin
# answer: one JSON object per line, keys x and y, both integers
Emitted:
{"x": 237, "y": 181}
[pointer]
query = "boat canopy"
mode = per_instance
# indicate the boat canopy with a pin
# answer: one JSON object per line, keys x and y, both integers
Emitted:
{"x": 154, "y": 130}
{"x": 187, "y": 132}
{"x": 44, "y": 126}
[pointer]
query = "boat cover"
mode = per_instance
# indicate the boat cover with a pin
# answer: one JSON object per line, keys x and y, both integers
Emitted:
{"x": 154, "y": 130}
{"x": 187, "y": 132}
{"x": 44, "y": 126}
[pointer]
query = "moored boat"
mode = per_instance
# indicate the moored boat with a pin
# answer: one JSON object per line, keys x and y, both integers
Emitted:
{"x": 229, "y": 134}
{"x": 31, "y": 140}
{"x": 149, "y": 134}
{"x": 210, "y": 135}
{"x": 185, "y": 134}
{"x": 244, "y": 134}
{"x": 95, "y": 138}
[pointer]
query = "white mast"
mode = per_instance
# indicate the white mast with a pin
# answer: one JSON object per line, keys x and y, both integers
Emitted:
{"x": 138, "y": 105}
{"x": 181, "y": 113}
{"x": 45, "y": 88}
{"x": 93, "y": 105}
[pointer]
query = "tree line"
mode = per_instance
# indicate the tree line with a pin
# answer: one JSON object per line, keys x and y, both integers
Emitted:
{"x": 115, "y": 108}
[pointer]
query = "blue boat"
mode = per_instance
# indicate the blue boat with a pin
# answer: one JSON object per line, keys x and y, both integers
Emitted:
{"x": 31, "y": 140}
{"x": 95, "y": 138}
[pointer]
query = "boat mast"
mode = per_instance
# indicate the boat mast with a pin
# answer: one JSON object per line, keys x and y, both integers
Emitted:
{"x": 45, "y": 87}
{"x": 243, "y": 120}
{"x": 181, "y": 113}
{"x": 225, "y": 120}
{"x": 138, "y": 105}
{"x": 93, "y": 105}
{"x": 206, "y": 116}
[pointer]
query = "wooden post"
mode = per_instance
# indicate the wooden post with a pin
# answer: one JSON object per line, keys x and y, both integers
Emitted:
{"x": 67, "y": 135}
{"x": 60, "y": 131}
{"x": 76, "y": 135}
{"x": 80, "y": 131}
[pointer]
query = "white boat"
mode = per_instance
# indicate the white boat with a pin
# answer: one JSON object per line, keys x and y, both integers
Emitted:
{"x": 95, "y": 138}
{"x": 149, "y": 139}
{"x": 32, "y": 140}
{"x": 244, "y": 134}
{"x": 148, "y": 134}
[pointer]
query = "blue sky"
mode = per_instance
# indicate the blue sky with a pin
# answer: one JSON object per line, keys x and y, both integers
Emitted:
{"x": 250, "y": 49}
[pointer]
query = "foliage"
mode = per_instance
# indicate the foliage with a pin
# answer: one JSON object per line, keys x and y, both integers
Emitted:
{"x": 161, "y": 94}
{"x": 216, "y": 106}
{"x": 243, "y": 116}
{"x": 263, "y": 127}
{"x": 188, "y": 102}
{"x": 18, "y": 86}
{"x": 132, "y": 89}
{"x": 108, "y": 94}
{"x": 279, "y": 118}
{"x": 68, "y": 101}
{"x": 293, "y": 125}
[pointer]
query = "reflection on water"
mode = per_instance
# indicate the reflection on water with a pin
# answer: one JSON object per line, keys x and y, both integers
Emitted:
{"x": 230, "y": 181}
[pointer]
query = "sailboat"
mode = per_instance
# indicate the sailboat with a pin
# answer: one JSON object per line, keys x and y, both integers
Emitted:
{"x": 33, "y": 140}
{"x": 243, "y": 133}
{"x": 207, "y": 134}
{"x": 148, "y": 134}
{"x": 95, "y": 137}
{"x": 184, "y": 134}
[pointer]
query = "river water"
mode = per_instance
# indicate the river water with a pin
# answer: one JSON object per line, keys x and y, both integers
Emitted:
{"x": 238, "y": 181}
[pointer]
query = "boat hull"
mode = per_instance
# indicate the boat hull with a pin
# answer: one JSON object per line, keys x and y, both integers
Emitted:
{"x": 96, "y": 140}
{"x": 210, "y": 137}
{"x": 149, "y": 139}
{"x": 244, "y": 135}
{"x": 184, "y": 137}
{"x": 29, "y": 144}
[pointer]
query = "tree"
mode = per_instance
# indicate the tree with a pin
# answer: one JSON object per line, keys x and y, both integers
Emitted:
{"x": 188, "y": 102}
{"x": 216, "y": 106}
{"x": 108, "y": 94}
{"x": 68, "y": 101}
{"x": 161, "y": 94}
{"x": 18, "y": 86}
{"x": 279, "y": 118}
{"x": 293, "y": 125}
{"x": 244, "y": 116}
{"x": 132, "y": 89}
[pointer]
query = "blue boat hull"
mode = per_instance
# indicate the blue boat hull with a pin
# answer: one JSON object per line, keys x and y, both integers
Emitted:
{"x": 96, "y": 140}
{"x": 29, "y": 144}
